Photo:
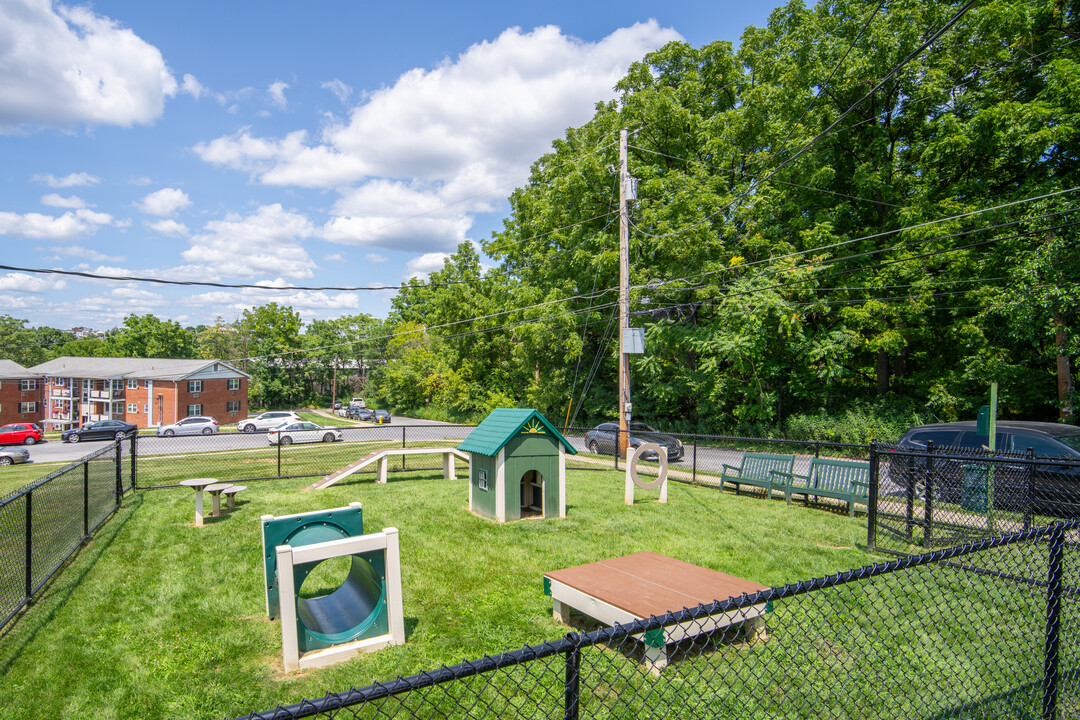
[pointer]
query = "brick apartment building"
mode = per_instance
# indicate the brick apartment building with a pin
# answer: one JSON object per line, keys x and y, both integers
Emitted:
{"x": 20, "y": 394}
{"x": 145, "y": 391}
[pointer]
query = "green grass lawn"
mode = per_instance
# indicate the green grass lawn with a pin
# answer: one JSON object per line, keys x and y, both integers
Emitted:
{"x": 157, "y": 619}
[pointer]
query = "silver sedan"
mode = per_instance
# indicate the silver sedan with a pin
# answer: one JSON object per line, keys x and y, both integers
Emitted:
{"x": 302, "y": 432}
{"x": 13, "y": 455}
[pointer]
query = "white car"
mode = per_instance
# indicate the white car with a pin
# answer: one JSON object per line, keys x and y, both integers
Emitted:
{"x": 267, "y": 420}
{"x": 302, "y": 432}
{"x": 197, "y": 425}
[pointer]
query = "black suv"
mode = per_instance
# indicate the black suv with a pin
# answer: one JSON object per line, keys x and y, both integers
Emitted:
{"x": 1057, "y": 486}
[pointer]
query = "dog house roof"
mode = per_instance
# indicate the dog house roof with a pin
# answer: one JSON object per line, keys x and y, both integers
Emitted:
{"x": 502, "y": 424}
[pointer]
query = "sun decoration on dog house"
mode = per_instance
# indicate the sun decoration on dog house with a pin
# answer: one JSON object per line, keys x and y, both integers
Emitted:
{"x": 517, "y": 466}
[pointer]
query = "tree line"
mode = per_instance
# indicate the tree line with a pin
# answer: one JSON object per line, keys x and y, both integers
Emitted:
{"x": 868, "y": 211}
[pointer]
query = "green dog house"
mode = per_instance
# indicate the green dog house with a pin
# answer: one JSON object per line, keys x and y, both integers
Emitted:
{"x": 517, "y": 466}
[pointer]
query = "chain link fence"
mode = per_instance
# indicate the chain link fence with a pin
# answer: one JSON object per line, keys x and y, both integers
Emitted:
{"x": 45, "y": 523}
{"x": 239, "y": 456}
{"x": 940, "y": 497}
{"x": 236, "y": 457}
{"x": 987, "y": 629}
{"x": 696, "y": 459}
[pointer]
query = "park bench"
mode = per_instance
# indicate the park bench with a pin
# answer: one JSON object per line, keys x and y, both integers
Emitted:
{"x": 758, "y": 470}
{"x": 847, "y": 480}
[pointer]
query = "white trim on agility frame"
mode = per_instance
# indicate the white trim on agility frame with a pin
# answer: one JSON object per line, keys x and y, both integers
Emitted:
{"x": 288, "y": 556}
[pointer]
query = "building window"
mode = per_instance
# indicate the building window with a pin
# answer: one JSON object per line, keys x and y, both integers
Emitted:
{"x": 148, "y": 383}
{"x": 232, "y": 406}
{"x": 133, "y": 408}
{"x": 194, "y": 386}
{"x": 27, "y": 385}
{"x": 133, "y": 384}
{"x": 25, "y": 408}
{"x": 234, "y": 383}
{"x": 193, "y": 410}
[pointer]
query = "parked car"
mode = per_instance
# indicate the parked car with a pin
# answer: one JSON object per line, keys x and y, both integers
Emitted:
{"x": 382, "y": 417}
{"x": 267, "y": 420}
{"x": 1057, "y": 487}
{"x": 601, "y": 440}
{"x": 359, "y": 413}
{"x": 20, "y": 434}
{"x": 358, "y": 402}
{"x": 100, "y": 430}
{"x": 337, "y": 405}
{"x": 195, "y": 425}
{"x": 302, "y": 432}
{"x": 13, "y": 456}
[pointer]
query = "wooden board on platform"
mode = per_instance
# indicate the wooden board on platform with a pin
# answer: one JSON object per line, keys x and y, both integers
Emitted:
{"x": 635, "y": 587}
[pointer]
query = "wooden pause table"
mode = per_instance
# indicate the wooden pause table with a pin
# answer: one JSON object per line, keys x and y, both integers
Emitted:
{"x": 638, "y": 586}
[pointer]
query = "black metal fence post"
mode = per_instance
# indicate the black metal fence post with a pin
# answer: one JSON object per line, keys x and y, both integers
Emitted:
{"x": 118, "y": 462}
{"x": 279, "y": 457}
{"x": 86, "y": 499}
{"x": 1053, "y": 624}
{"x": 1029, "y": 490}
{"x": 29, "y": 543}
{"x": 693, "y": 473}
{"x": 403, "y": 446}
{"x": 872, "y": 500}
{"x": 928, "y": 497}
{"x": 572, "y": 683}
{"x": 134, "y": 463}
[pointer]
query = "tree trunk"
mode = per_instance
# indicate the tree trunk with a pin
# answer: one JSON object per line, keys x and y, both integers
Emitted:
{"x": 899, "y": 368}
{"x": 1064, "y": 370}
{"x": 882, "y": 372}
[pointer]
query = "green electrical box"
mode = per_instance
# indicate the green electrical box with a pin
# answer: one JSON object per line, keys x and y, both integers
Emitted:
{"x": 982, "y": 425}
{"x": 975, "y": 487}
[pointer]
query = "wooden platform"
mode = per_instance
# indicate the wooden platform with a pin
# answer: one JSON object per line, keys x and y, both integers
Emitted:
{"x": 635, "y": 587}
{"x": 381, "y": 456}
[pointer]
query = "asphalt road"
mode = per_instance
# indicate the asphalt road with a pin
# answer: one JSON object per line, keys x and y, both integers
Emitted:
{"x": 708, "y": 459}
{"x": 55, "y": 451}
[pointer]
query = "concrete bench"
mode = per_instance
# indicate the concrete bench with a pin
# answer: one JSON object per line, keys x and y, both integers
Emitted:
{"x": 230, "y": 495}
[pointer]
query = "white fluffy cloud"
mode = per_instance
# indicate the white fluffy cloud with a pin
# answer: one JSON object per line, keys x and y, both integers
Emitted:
{"x": 409, "y": 156}
{"x": 277, "y": 93}
{"x": 164, "y": 202}
{"x": 265, "y": 243}
{"x": 56, "y": 200}
{"x": 419, "y": 267}
{"x": 341, "y": 90}
{"x": 192, "y": 86}
{"x": 65, "y": 65}
{"x": 23, "y": 283}
{"x": 171, "y": 228}
{"x": 73, "y": 180}
{"x": 70, "y": 225}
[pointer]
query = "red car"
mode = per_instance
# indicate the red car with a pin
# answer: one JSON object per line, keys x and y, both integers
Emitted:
{"x": 20, "y": 434}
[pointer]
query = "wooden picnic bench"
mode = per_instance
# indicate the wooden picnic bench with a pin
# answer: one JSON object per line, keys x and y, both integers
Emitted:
{"x": 758, "y": 470}
{"x": 847, "y": 480}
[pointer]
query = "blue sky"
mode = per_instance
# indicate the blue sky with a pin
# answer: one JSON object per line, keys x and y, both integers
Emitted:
{"x": 280, "y": 143}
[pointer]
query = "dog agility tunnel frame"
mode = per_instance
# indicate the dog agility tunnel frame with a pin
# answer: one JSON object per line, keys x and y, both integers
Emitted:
{"x": 363, "y": 614}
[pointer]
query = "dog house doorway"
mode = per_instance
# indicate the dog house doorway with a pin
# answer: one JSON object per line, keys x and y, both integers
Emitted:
{"x": 532, "y": 494}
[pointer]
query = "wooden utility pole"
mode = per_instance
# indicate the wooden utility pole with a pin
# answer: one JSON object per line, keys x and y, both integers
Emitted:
{"x": 624, "y": 299}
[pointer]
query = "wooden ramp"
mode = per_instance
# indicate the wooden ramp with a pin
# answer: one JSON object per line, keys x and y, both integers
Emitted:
{"x": 381, "y": 457}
